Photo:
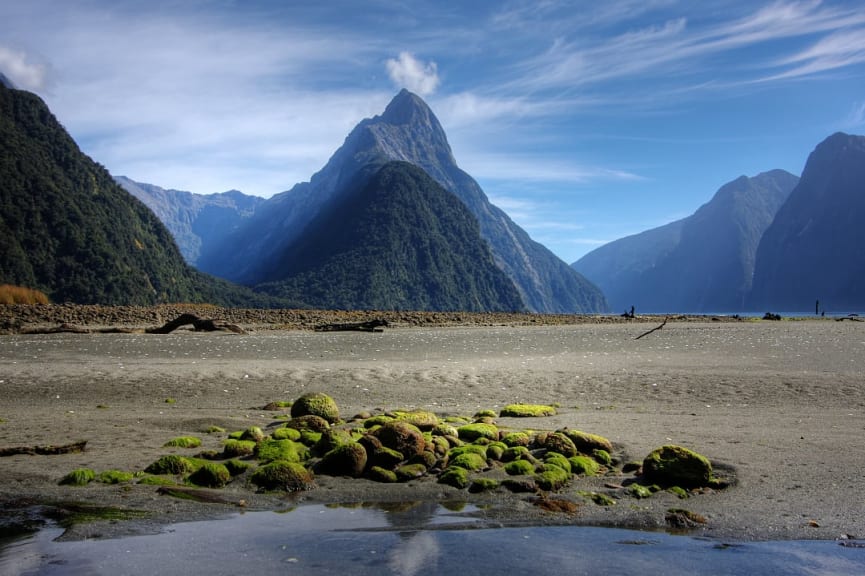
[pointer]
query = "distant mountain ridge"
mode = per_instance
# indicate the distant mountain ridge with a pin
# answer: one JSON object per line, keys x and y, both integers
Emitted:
{"x": 194, "y": 219}
{"x": 398, "y": 241}
{"x": 67, "y": 229}
{"x": 406, "y": 131}
{"x": 702, "y": 263}
{"x": 815, "y": 248}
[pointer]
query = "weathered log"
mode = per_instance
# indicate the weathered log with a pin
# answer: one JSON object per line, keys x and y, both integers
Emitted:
{"x": 652, "y": 330}
{"x": 45, "y": 450}
{"x": 376, "y": 325}
{"x": 198, "y": 324}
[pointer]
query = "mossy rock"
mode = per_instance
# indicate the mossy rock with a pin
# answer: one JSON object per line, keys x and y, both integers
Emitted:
{"x": 410, "y": 472}
{"x": 445, "y": 429}
{"x": 171, "y": 464}
{"x": 115, "y": 477}
{"x": 210, "y": 475}
{"x": 285, "y": 476}
{"x": 680, "y": 492}
{"x": 276, "y": 405}
{"x": 308, "y": 422}
{"x": 253, "y": 433}
{"x": 157, "y": 481}
{"x": 286, "y": 434}
{"x": 527, "y": 411}
{"x": 517, "y": 439}
{"x": 440, "y": 445}
{"x": 287, "y": 450}
{"x": 673, "y": 465}
{"x": 427, "y": 458}
{"x": 183, "y": 442}
{"x": 520, "y": 485}
{"x": 477, "y": 430}
{"x": 479, "y": 485}
{"x": 236, "y": 467}
{"x": 556, "y": 459}
{"x": 598, "y": 498}
{"x": 344, "y": 460}
{"x": 469, "y": 461}
{"x": 515, "y": 453}
{"x": 376, "y": 421}
{"x": 455, "y": 476}
{"x": 384, "y": 457}
{"x": 316, "y": 404}
{"x": 584, "y": 466}
{"x": 332, "y": 438}
{"x": 552, "y": 478}
{"x": 403, "y": 437}
{"x": 468, "y": 449}
{"x": 558, "y": 442}
{"x": 78, "y": 477}
{"x": 495, "y": 450}
{"x": 587, "y": 443}
{"x": 214, "y": 429}
{"x": 485, "y": 414}
{"x": 602, "y": 457}
{"x": 309, "y": 437}
{"x": 639, "y": 491}
{"x": 423, "y": 419}
{"x": 519, "y": 468}
{"x": 379, "y": 474}
{"x": 238, "y": 448}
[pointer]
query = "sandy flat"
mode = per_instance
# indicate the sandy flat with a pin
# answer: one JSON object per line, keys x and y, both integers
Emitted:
{"x": 780, "y": 403}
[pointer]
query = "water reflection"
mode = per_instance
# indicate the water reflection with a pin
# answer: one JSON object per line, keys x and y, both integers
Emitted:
{"x": 409, "y": 540}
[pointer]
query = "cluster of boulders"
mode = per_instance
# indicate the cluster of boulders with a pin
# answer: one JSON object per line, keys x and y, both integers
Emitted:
{"x": 399, "y": 446}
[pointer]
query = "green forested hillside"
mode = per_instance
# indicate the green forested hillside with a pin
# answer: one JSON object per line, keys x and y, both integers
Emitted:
{"x": 400, "y": 241}
{"x": 67, "y": 229}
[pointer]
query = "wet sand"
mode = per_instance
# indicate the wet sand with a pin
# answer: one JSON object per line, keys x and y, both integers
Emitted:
{"x": 780, "y": 403}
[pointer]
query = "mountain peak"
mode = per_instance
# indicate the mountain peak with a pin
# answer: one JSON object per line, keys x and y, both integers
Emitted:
{"x": 5, "y": 81}
{"x": 405, "y": 108}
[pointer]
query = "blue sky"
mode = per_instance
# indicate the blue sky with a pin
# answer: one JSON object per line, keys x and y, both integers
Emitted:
{"x": 585, "y": 121}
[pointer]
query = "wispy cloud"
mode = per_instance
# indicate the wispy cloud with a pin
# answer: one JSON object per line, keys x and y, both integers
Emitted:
{"x": 22, "y": 69}
{"x": 406, "y": 71}
{"x": 531, "y": 168}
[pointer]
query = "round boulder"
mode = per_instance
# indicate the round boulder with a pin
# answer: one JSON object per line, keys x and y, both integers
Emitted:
{"x": 403, "y": 437}
{"x": 316, "y": 404}
{"x": 673, "y": 465}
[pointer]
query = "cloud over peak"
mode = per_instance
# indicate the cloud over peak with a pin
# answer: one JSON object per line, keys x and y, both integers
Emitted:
{"x": 406, "y": 71}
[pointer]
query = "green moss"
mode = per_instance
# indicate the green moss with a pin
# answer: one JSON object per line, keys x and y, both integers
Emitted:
{"x": 237, "y": 448}
{"x": 157, "y": 481}
{"x": 236, "y": 435}
{"x": 286, "y": 434}
{"x": 583, "y": 465}
{"x": 183, "y": 442}
{"x": 603, "y": 457}
{"x": 485, "y": 414}
{"x": 552, "y": 478}
{"x": 639, "y": 491}
{"x": 214, "y": 430}
{"x": 556, "y": 459}
{"x": 673, "y": 465}
{"x": 468, "y": 449}
{"x": 78, "y": 477}
{"x": 527, "y": 410}
{"x": 210, "y": 475}
{"x": 170, "y": 401}
{"x": 495, "y": 450}
{"x": 309, "y": 437}
{"x": 516, "y": 439}
{"x": 115, "y": 477}
{"x": 598, "y": 498}
{"x": 379, "y": 420}
{"x": 171, "y": 464}
{"x": 379, "y": 474}
{"x": 405, "y": 438}
{"x": 444, "y": 429}
{"x": 680, "y": 492}
{"x": 288, "y": 450}
{"x": 286, "y": 476}
{"x": 483, "y": 485}
{"x": 557, "y": 442}
{"x": 472, "y": 432}
{"x": 345, "y": 460}
{"x": 587, "y": 443}
{"x": 519, "y": 467}
{"x": 455, "y": 476}
{"x": 385, "y": 457}
{"x": 469, "y": 461}
{"x": 331, "y": 439}
{"x": 236, "y": 467}
{"x": 410, "y": 472}
{"x": 253, "y": 433}
{"x": 316, "y": 404}
{"x": 423, "y": 419}
{"x": 515, "y": 453}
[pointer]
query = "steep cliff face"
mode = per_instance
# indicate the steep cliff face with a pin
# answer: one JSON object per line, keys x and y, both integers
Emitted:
{"x": 815, "y": 248}
{"x": 702, "y": 263}
{"x": 407, "y": 131}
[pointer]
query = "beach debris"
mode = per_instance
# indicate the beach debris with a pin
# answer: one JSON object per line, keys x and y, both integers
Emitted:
{"x": 377, "y": 325}
{"x": 47, "y": 450}
{"x": 681, "y": 518}
{"x": 198, "y": 324}
{"x": 771, "y": 316}
{"x": 656, "y": 328}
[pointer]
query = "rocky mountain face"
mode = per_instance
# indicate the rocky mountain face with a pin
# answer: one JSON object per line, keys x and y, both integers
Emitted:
{"x": 67, "y": 229}
{"x": 400, "y": 241}
{"x": 407, "y": 131}
{"x": 815, "y": 248}
{"x": 702, "y": 263}
{"x": 194, "y": 220}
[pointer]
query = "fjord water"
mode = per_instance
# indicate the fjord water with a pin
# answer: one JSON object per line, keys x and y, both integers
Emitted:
{"x": 424, "y": 538}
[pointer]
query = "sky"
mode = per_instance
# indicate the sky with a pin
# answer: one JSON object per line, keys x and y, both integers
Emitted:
{"x": 585, "y": 121}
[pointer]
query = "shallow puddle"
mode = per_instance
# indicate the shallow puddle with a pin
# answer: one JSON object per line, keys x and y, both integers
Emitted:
{"x": 316, "y": 539}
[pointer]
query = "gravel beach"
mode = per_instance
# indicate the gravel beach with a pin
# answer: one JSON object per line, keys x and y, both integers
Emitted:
{"x": 779, "y": 406}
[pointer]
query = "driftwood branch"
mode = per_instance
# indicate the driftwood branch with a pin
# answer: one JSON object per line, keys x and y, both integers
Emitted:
{"x": 652, "y": 330}
{"x": 376, "y": 325}
{"x": 45, "y": 450}
{"x": 198, "y": 324}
